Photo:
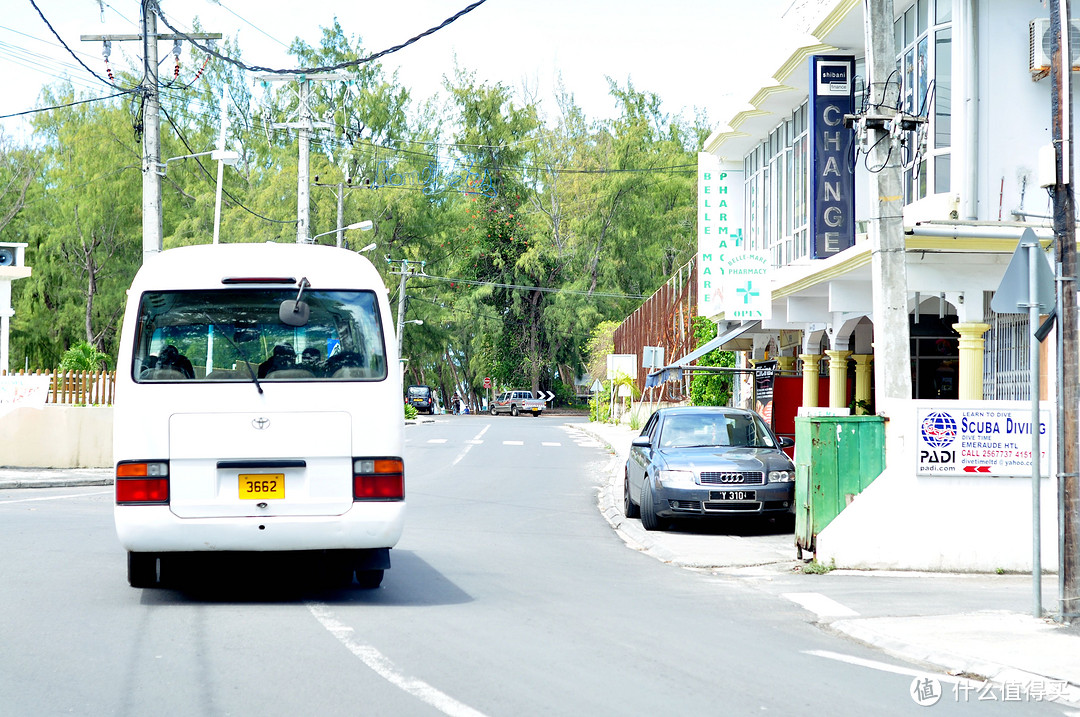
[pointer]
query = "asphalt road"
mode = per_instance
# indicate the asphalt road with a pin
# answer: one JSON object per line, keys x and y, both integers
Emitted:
{"x": 509, "y": 595}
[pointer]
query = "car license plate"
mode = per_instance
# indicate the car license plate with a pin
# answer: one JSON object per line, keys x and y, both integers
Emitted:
{"x": 732, "y": 495}
{"x": 260, "y": 486}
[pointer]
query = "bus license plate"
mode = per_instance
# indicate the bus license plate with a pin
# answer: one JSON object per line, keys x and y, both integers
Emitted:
{"x": 732, "y": 495}
{"x": 261, "y": 486}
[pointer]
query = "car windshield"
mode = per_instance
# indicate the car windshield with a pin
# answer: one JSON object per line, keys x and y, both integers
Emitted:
{"x": 715, "y": 429}
{"x": 418, "y": 391}
{"x": 233, "y": 334}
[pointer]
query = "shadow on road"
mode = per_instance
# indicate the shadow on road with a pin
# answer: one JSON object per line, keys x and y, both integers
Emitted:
{"x": 284, "y": 578}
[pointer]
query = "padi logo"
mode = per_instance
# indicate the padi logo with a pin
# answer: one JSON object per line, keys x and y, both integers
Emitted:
{"x": 938, "y": 429}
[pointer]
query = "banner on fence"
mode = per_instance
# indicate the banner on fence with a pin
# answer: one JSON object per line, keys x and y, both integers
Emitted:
{"x": 19, "y": 391}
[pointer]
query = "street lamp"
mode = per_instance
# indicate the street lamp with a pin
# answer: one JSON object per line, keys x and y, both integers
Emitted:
{"x": 401, "y": 331}
{"x": 363, "y": 226}
{"x": 222, "y": 157}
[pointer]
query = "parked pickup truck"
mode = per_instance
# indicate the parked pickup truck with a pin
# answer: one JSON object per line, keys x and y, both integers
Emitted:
{"x": 515, "y": 402}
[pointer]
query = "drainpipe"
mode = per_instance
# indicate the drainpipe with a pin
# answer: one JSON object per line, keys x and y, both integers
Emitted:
{"x": 966, "y": 23}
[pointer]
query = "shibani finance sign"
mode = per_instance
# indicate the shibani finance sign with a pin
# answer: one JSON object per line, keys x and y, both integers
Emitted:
{"x": 720, "y": 228}
{"x": 993, "y": 438}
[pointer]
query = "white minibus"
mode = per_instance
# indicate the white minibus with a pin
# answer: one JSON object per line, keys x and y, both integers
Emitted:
{"x": 258, "y": 409}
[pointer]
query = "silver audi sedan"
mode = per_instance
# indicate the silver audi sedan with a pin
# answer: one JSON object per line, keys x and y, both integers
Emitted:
{"x": 705, "y": 461}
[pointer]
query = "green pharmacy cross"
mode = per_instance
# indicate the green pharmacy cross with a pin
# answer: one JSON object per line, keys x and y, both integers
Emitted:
{"x": 748, "y": 292}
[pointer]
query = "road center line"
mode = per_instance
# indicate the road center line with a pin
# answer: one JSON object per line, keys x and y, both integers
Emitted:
{"x": 821, "y": 605}
{"x": 386, "y": 669}
{"x": 469, "y": 444}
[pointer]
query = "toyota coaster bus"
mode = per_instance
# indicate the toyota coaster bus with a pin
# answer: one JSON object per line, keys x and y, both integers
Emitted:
{"x": 258, "y": 410}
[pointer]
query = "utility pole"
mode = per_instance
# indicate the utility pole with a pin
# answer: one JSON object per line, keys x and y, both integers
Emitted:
{"x": 892, "y": 347}
{"x": 405, "y": 273}
{"x": 151, "y": 131}
{"x": 1064, "y": 213}
{"x": 304, "y": 126}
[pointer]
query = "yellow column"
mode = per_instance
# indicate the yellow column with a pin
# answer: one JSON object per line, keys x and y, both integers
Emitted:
{"x": 810, "y": 378}
{"x": 838, "y": 378}
{"x": 971, "y": 360}
{"x": 786, "y": 363}
{"x": 862, "y": 381}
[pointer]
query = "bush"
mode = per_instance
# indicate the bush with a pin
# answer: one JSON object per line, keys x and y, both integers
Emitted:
{"x": 410, "y": 412}
{"x": 84, "y": 357}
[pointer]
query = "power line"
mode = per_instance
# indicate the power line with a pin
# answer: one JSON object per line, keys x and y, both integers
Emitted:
{"x": 72, "y": 53}
{"x": 312, "y": 70}
{"x": 235, "y": 201}
{"x": 69, "y": 104}
{"x": 544, "y": 289}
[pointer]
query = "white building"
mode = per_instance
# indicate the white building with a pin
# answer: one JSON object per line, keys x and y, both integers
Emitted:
{"x": 969, "y": 191}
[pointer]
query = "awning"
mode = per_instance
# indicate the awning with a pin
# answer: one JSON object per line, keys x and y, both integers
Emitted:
{"x": 674, "y": 372}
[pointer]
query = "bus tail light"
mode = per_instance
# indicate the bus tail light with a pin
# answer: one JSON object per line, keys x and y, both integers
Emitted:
{"x": 378, "y": 479}
{"x": 142, "y": 482}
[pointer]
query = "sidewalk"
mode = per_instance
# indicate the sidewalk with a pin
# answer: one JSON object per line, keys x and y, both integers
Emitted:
{"x": 1009, "y": 649}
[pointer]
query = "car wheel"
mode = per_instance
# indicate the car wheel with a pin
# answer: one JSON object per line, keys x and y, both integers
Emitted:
{"x": 630, "y": 510}
{"x": 142, "y": 569}
{"x": 649, "y": 520}
{"x": 369, "y": 579}
{"x": 513, "y": 411}
{"x": 493, "y": 411}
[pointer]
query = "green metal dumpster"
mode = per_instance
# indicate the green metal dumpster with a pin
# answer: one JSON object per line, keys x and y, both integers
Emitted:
{"x": 836, "y": 458}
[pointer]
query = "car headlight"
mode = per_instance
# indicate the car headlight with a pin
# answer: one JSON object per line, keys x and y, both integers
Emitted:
{"x": 781, "y": 476}
{"x": 670, "y": 479}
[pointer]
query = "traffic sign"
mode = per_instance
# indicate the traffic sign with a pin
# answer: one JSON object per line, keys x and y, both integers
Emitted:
{"x": 1013, "y": 294}
{"x": 549, "y": 397}
{"x": 487, "y": 382}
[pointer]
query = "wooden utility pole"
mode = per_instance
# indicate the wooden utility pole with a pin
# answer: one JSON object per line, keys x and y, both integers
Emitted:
{"x": 1069, "y": 369}
{"x": 151, "y": 130}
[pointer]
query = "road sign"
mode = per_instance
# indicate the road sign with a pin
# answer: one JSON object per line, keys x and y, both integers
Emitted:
{"x": 549, "y": 397}
{"x": 487, "y": 382}
{"x": 597, "y": 387}
{"x": 1012, "y": 295}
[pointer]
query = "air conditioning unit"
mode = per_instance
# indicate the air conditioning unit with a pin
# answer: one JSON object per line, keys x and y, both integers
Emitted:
{"x": 1039, "y": 46}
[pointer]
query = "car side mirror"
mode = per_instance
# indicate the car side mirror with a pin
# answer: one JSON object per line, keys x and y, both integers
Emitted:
{"x": 786, "y": 442}
{"x": 642, "y": 442}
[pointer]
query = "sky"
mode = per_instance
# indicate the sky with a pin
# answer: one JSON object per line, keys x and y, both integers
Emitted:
{"x": 674, "y": 48}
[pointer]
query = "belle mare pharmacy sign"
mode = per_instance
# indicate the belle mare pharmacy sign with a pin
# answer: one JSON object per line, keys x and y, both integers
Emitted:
{"x": 992, "y": 438}
{"x": 720, "y": 234}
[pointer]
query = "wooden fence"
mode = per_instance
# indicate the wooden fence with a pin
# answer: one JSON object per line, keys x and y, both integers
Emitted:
{"x": 77, "y": 387}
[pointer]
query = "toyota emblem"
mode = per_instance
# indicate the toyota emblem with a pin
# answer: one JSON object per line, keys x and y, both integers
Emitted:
{"x": 260, "y": 423}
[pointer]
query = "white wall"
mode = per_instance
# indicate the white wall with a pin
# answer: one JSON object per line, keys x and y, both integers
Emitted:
{"x": 57, "y": 437}
{"x": 1014, "y": 112}
{"x": 963, "y": 524}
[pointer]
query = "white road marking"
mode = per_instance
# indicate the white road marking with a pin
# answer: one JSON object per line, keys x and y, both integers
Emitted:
{"x": 475, "y": 441}
{"x": 546, "y": 443}
{"x": 821, "y": 605}
{"x": 54, "y": 497}
{"x": 386, "y": 669}
{"x": 885, "y": 667}
{"x": 436, "y": 440}
{"x": 513, "y": 443}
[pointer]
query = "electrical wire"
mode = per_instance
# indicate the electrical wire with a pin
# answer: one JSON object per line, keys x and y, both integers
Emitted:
{"x": 212, "y": 178}
{"x": 311, "y": 70}
{"x": 542, "y": 289}
{"x": 69, "y": 104}
{"x": 72, "y": 53}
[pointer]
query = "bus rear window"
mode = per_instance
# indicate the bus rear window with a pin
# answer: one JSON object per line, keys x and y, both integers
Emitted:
{"x": 232, "y": 334}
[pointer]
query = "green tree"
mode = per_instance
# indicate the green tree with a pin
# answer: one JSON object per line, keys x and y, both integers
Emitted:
{"x": 710, "y": 389}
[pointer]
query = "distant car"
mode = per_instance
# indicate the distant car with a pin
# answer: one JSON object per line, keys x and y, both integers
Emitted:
{"x": 707, "y": 462}
{"x": 515, "y": 402}
{"x": 422, "y": 398}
